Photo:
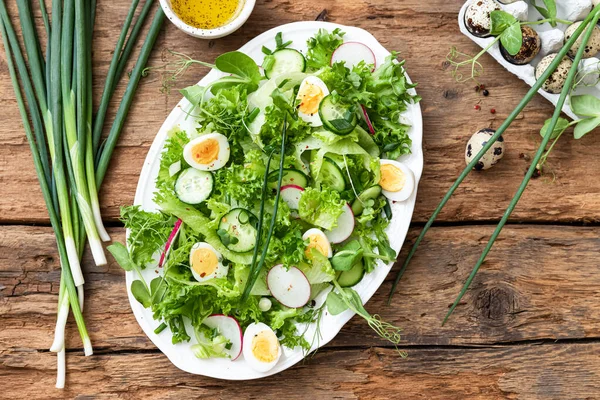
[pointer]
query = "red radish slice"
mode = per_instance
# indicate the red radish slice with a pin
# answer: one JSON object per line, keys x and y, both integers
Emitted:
{"x": 289, "y": 286}
{"x": 351, "y": 53}
{"x": 344, "y": 228}
{"x": 367, "y": 119}
{"x": 231, "y": 329}
{"x": 291, "y": 195}
{"x": 168, "y": 245}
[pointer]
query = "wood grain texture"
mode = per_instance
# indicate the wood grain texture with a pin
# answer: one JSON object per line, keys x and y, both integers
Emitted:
{"x": 561, "y": 371}
{"x": 424, "y": 35}
{"x": 548, "y": 292}
{"x": 529, "y": 328}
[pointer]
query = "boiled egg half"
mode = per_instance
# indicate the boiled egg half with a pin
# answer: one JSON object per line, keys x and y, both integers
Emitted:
{"x": 397, "y": 181}
{"x": 261, "y": 347}
{"x": 207, "y": 152}
{"x": 312, "y": 90}
{"x": 317, "y": 240}
{"x": 206, "y": 262}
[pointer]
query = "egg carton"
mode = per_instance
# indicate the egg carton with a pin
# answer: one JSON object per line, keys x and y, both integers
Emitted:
{"x": 552, "y": 39}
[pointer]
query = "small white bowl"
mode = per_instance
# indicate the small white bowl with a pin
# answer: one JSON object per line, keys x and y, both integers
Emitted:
{"x": 232, "y": 26}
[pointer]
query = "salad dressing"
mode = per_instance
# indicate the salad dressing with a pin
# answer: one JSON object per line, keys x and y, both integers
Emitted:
{"x": 206, "y": 14}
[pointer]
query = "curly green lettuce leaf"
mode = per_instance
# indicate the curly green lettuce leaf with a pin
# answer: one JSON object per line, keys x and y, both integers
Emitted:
{"x": 172, "y": 153}
{"x": 148, "y": 233}
{"x": 321, "y": 46}
{"x": 321, "y": 207}
{"x": 392, "y": 95}
{"x": 242, "y": 181}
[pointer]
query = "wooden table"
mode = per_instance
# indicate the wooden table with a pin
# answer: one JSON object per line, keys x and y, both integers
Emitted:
{"x": 528, "y": 328}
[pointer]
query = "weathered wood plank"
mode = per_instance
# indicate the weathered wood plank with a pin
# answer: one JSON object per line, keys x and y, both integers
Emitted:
{"x": 548, "y": 291}
{"x": 424, "y": 34}
{"x": 557, "y": 371}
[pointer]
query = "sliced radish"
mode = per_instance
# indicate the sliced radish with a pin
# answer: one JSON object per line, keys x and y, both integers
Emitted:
{"x": 344, "y": 228}
{"x": 289, "y": 286}
{"x": 231, "y": 329}
{"x": 169, "y": 244}
{"x": 291, "y": 195}
{"x": 367, "y": 119}
{"x": 351, "y": 53}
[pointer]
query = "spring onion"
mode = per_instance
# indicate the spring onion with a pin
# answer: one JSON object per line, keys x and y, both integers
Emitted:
{"x": 59, "y": 105}
{"x": 551, "y": 68}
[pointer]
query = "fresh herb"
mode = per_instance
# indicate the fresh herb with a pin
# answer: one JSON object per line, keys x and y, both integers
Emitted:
{"x": 269, "y": 60}
{"x": 588, "y": 24}
{"x": 506, "y": 29}
{"x": 347, "y": 256}
{"x": 348, "y": 299}
{"x": 322, "y": 46}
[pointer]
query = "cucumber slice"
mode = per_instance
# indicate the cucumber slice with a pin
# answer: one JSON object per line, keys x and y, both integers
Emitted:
{"x": 290, "y": 176}
{"x": 370, "y": 193}
{"x": 337, "y": 118}
{"x": 237, "y": 230}
{"x": 285, "y": 61}
{"x": 331, "y": 175}
{"x": 194, "y": 186}
{"x": 352, "y": 276}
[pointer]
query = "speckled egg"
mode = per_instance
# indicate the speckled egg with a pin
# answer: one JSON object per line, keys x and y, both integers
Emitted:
{"x": 593, "y": 45}
{"x": 556, "y": 81}
{"x": 476, "y": 143}
{"x": 530, "y": 47}
{"x": 477, "y": 17}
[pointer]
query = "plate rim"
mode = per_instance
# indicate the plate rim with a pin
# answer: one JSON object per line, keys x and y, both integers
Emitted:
{"x": 156, "y": 149}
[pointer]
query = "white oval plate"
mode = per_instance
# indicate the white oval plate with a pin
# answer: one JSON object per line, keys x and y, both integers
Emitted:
{"x": 180, "y": 354}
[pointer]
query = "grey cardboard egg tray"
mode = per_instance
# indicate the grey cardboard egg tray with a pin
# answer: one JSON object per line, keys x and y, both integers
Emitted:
{"x": 572, "y": 10}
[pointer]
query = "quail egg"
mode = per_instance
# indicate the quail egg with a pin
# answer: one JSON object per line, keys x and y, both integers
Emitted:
{"x": 556, "y": 81}
{"x": 529, "y": 49}
{"x": 476, "y": 143}
{"x": 310, "y": 94}
{"x": 593, "y": 46}
{"x": 206, "y": 262}
{"x": 477, "y": 17}
{"x": 261, "y": 347}
{"x": 207, "y": 152}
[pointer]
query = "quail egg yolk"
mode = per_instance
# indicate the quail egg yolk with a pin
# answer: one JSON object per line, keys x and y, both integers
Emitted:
{"x": 392, "y": 178}
{"x": 265, "y": 346}
{"x": 310, "y": 97}
{"x": 206, "y": 151}
{"x": 204, "y": 262}
{"x": 316, "y": 242}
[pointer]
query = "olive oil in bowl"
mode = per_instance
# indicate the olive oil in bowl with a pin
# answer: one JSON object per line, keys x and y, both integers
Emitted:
{"x": 206, "y": 14}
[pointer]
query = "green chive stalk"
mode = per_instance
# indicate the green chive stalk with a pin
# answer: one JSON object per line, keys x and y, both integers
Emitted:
{"x": 534, "y": 89}
{"x": 37, "y": 76}
{"x": 132, "y": 39}
{"x": 111, "y": 77}
{"x": 536, "y": 159}
{"x": 75, "y": 114}
{"x": 66, "y": 275}
{"x": 134, "y": 80}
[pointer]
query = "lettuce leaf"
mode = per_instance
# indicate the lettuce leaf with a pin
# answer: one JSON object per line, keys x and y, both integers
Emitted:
{"x": 321, "y": 207}
{"x": 321, "y": 47}
{"x": 319, "y": 270}
{"x": 170, "y": 204}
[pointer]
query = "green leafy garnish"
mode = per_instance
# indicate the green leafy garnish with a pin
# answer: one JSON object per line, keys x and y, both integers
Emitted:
{"x": 322, "y": 46}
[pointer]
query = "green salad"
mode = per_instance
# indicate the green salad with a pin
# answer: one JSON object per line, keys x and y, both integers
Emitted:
{"x": 282, "y": 193}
